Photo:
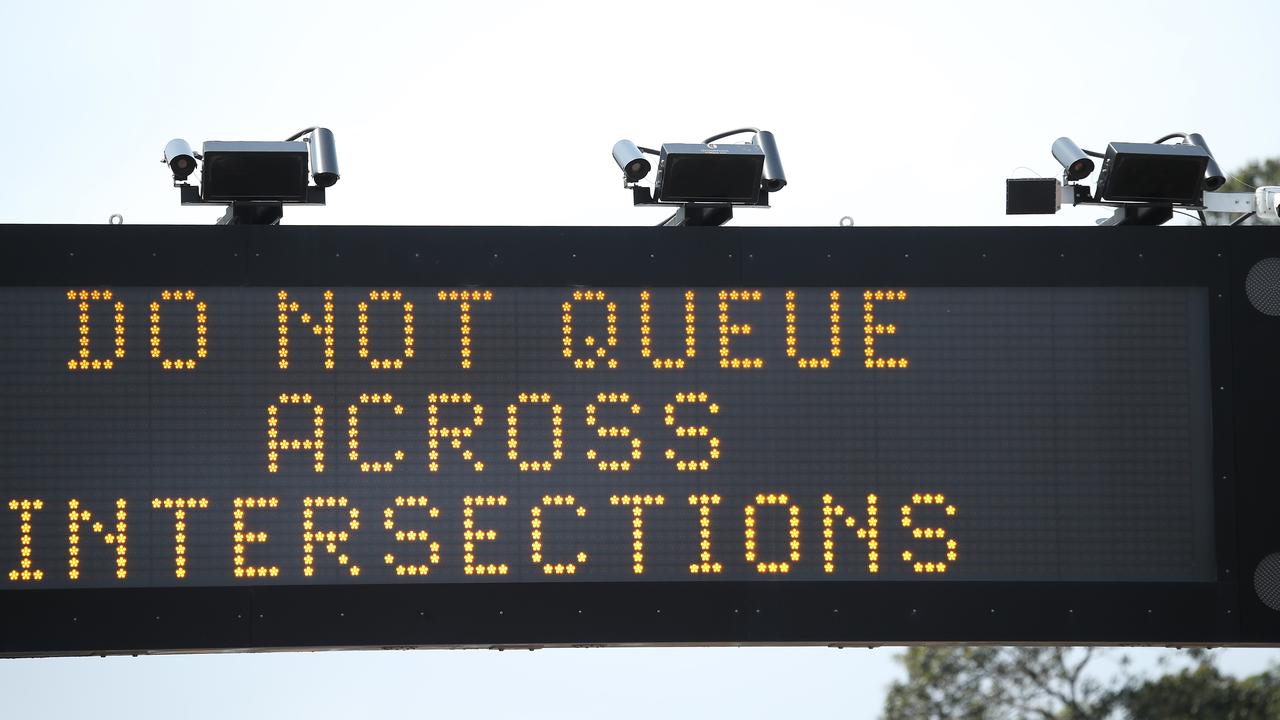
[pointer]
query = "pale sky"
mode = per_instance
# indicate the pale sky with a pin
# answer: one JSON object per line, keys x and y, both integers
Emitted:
{"x": 504, "y": 113}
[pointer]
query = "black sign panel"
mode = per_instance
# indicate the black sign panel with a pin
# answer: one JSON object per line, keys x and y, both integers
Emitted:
{"x": 283, "y": 437}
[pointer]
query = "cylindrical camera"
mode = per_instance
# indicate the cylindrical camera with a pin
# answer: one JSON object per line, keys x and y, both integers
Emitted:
{"x": 324, "y": 158}
{"x": 179, "y": 158}
{"x": 633, "y": 162}
{"x": 774, "y": 177}
{"x": 1077, "y": 163}
{"x": 1213, "y": 175}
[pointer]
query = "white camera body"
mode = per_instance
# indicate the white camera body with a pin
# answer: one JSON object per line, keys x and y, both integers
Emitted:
{"x": 1267, "y": 202}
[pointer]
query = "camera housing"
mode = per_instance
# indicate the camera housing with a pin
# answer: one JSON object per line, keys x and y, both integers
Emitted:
{"x": 707, "y": 172}
{"x": 635, "y": 166}
{"x": 254, "y": 171}
{"x": 324, "y": 157}
{"x": 1267, "y": 201}
{"x": 180, "y": 159}
{"x": 1075, "y": 162}
{"x": 1153, "y": 173}
{"x": 774, "y": 177}
{"x": 1214, "y": 178}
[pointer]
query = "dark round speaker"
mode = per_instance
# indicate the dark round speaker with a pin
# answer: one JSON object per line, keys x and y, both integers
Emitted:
{"x": 1266, "y": 581}
{"x": 1262, "y": 285}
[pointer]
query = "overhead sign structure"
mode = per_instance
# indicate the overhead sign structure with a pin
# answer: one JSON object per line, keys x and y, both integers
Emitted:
{"x": 222, "y": 438}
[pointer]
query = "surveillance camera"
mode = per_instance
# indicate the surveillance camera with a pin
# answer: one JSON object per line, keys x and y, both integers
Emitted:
{"x": 1214, "y": 178}
{"x": 635, "y": 166}
{"x": 774, "y": 177}
{"x": 1075, "y": 161}
{"x": 1267, "y": 201}
{"x": 179, "y": 158}
{"x": 324, "y": 157}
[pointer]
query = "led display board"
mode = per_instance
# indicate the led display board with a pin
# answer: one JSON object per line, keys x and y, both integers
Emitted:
{"x": 320, "y": 437}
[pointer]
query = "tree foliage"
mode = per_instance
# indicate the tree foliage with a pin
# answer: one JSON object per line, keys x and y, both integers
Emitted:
{"x": 1204, "y": 692}
{"x": 1247, "y": 179}
{"x": 955, "y": 683}
{"x": 987, "y": 683}
{"x": 1254, "y": 175}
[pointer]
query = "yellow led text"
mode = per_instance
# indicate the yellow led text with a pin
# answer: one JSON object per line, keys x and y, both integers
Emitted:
{"x": 594, "y": 345}
{"x": 202, "y": 340}
{"x": 793, "y": 534}
{"x": 85, "y": 361}
{"x": 535, "y": 534}
{"x": 513, "y": 436}
{"x": 464, "y": 298}
{"x": 312, "y": 536}
{"x": 436, "y": 431}
{"x": 242, "y": 537}
{"x": 637, "y": 503}
{"x": 646, "y": 333}
{"x": 613, "y": 431}
{"x": 180, "y": 508}
{"x": 929, "y": 533}
{"x": 833, "y": 317}
{"x": 285, "y": 306}
{"x": 691, "y": 431}
{"x": 26, "y": 572}
{"x": 871, "y": 328}
{"x": 353, "y": 433}
{"x": 402, "y": 535}
{"x": 472, "y": 535}
{"x": 706, "y": 564}
{"x": 727, "y": 328}
{"x": 117, "y": 538}
{"x": 362, "y": 330}
{"x": 871, "y": 533}
{"x": 276, "y": 444}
